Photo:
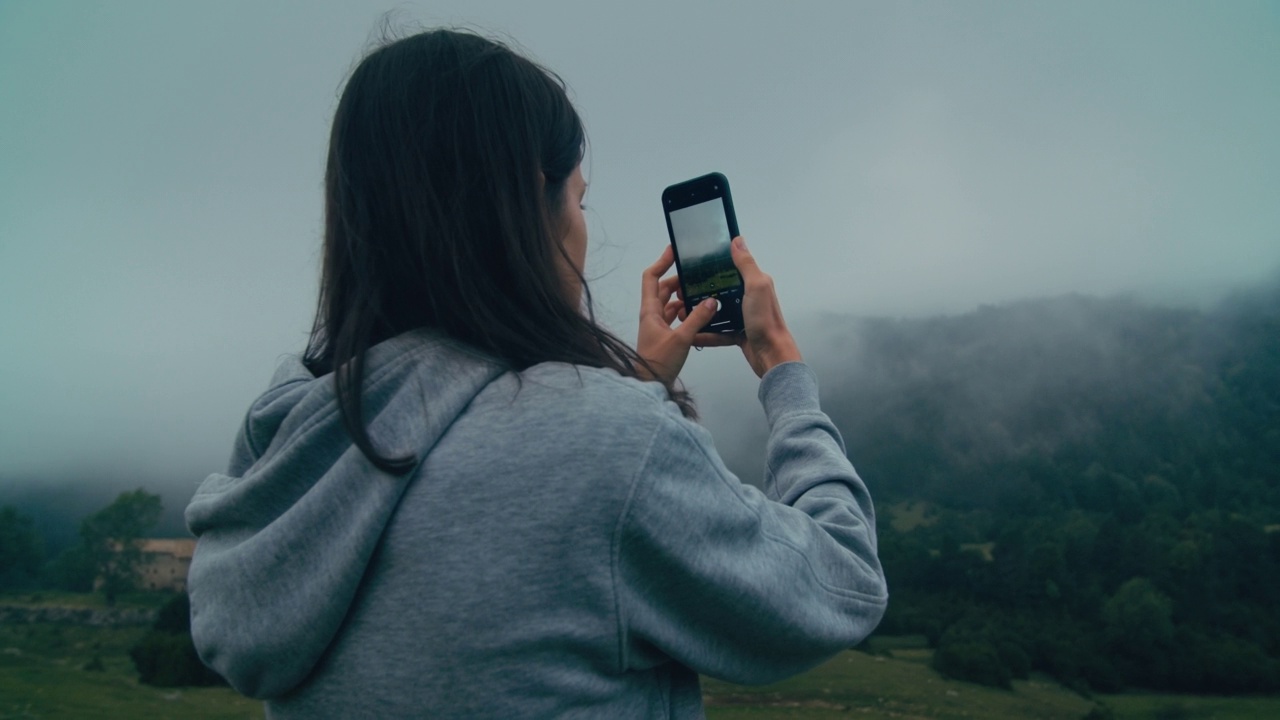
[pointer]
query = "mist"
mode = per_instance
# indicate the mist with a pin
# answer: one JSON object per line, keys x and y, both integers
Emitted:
{"x": 160, "y": 174}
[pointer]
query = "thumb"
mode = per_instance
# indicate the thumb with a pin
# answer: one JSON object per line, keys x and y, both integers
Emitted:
{"x": 698, "y": 319}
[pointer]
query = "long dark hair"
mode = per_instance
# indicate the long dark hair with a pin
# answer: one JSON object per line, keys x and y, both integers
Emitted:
{"x": 446, "y": 174}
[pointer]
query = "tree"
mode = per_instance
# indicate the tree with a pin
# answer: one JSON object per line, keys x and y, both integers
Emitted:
{"x": 21, "y": 552}
{"x": 111, "y": 539}
{"x": 1139, "y": 632}
{"x": 971, "y": 660}
{"x": 72, "y": 570}
{"x": 1139, "y": 616}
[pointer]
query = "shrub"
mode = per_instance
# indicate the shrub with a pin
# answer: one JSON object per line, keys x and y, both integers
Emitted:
{"x": 1014, "y": 658}
{"x": 1221, "y": 664}
{"x": 166, "y": 656}
{"x": 169, "y": 660}
{"x": 972, "y": 661}
{"x": 175, "y": 615}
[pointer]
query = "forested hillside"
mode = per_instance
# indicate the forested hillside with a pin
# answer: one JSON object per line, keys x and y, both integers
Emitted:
{"x": 1090, "y": 487}
{"x": 1087, "y": 487}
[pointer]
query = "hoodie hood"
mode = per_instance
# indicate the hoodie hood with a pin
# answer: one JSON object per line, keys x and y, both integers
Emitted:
{"x": 286, "y": 534}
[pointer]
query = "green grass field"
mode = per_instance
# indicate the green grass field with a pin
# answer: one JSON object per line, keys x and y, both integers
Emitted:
{"x": 902, "y": 686}
{"x": 44, "y": 674}
{"x": 719, "y": 281}
{"x": 1192, "y": 707}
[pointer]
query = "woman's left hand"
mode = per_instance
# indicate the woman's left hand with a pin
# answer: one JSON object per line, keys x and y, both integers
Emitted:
{"x": 664, "y": 347}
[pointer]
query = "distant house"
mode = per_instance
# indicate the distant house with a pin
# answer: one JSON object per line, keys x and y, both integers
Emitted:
{"x": 165, "y": 563}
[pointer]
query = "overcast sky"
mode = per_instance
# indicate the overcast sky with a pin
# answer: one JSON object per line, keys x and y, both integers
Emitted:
{"x": 161, "y": 166}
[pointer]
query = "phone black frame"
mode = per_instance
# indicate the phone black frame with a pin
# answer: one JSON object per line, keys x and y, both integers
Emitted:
{"x": 712, "y": 186}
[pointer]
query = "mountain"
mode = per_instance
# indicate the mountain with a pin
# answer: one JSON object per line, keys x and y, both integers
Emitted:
{"x": 1025, "y": 402}
{"x": 1088, "y": 487}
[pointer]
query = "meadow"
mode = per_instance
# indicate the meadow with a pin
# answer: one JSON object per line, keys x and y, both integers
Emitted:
{"x": 897, "y": 682}
{"x": 698, "y": 282}
{"x": 66, "y": 672}
{"x": 71, "y": 672}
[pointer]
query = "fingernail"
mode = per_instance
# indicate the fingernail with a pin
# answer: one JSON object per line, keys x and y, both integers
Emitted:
{"x": 742, "y": 244}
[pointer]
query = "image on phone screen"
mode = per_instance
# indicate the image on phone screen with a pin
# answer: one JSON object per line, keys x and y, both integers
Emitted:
{"x": 702, "y": 237}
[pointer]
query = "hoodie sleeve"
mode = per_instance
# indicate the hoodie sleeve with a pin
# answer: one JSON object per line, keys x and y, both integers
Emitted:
{"x": 738, "y": 584}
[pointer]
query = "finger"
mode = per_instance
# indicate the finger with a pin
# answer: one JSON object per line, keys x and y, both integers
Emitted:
{"x": 674, "y": 282}
{"x": 650, "y": 301}
{"x": 672, "y": 311}
{"x": 743, "y": 259}
{"x": 698, "y": 319}
{"x": 663, "y": 263}
{"x": 667, "y": 287}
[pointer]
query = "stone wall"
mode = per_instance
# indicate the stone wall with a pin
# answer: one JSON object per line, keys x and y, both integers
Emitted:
{"x": 98, "y": 617}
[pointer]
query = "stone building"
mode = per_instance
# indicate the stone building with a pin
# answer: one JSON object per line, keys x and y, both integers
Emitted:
{"x": 165, "y": 563}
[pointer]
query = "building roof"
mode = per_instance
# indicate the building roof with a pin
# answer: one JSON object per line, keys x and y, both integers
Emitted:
{"x": 178, "y": 547}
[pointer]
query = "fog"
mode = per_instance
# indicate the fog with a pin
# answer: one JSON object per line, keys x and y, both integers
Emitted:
{"x": 160, "y": 171}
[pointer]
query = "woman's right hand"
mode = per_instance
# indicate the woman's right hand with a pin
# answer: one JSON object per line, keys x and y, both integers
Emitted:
{"x": 766, "y": 341}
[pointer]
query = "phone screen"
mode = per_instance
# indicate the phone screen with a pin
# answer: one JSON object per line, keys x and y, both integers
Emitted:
{"x": 701, "y": 221}
{"x": 701, "y": 235}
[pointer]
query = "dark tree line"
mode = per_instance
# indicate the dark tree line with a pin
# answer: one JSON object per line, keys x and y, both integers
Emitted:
{"x": 1102, "y": 484}
{"x": 21, "y": 550}
{"x": 106, "y": 558}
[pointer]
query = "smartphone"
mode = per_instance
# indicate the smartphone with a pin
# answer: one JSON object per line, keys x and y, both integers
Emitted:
{"x": 701, "y": 223}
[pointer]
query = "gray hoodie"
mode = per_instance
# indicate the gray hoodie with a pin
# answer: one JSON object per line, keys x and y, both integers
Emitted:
{"x": 570, "y": 545}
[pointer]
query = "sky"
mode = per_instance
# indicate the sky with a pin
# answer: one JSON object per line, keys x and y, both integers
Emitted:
{"x": 161, "y": 168}
{"x": 700, "y": 230}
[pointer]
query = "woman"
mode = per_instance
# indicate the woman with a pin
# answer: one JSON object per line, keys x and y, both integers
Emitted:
{"x": 494, "y": 507}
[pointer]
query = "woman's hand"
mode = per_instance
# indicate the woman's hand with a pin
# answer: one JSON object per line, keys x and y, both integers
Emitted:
{"x": 664, "y": 347}
{"x": 766, "y": 341}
